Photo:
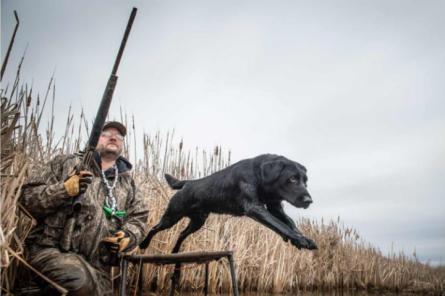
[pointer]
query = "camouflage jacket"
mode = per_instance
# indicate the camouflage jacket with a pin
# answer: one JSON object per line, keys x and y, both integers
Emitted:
{"x": 44, "y": 196}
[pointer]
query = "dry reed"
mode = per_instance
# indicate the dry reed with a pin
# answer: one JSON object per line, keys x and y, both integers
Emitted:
{"x": 264, "y": 262}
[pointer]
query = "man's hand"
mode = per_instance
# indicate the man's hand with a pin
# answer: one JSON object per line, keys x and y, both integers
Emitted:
{"x": 121, "y": 241}
{"x": 77, "y": 183}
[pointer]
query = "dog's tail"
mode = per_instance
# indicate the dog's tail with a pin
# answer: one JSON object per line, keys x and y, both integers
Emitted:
{"x": 173, "y": 182}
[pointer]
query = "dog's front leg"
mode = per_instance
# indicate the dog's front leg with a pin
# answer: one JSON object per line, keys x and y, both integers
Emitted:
{"x": 263, "y": 216}
{"x": 277, "y": 211}
{"x": 254, "y": 209}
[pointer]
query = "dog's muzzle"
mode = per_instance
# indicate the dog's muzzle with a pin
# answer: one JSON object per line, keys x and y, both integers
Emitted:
{"x": 307, "y": 200}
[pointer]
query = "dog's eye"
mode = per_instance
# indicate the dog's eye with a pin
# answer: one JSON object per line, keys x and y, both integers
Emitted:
{"x": 293, "y": 180}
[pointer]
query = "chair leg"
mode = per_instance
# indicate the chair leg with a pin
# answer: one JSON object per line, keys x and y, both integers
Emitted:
{"x": 141, "y": 278}
{"x": 173, "y": 284}
{"x": 233, "y": 276}
{"x": 206, "y": 283}
{"x": 123, "y": 283}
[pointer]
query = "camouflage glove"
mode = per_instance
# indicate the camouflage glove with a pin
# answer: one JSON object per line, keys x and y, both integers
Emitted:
{"x": 77, "y": 183}
{"x": 121, "y": 241}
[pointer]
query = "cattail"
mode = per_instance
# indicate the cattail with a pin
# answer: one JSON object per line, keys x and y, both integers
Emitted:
{"x": 264, "y": 262}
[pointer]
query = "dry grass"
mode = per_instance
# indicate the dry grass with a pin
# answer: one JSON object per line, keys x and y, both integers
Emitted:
{"x": 264, "y": 262}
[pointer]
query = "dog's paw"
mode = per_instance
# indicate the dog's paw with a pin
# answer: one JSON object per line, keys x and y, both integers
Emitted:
{"x": 311, "y": 244}
{"x": 304, "y": 243}
{"x": 299, "y": 242}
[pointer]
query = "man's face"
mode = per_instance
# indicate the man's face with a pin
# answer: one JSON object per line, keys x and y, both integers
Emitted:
{"x": 110, "y": 142}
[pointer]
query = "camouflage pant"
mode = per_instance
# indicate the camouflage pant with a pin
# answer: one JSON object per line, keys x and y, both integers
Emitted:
{"x": 70, "y": 271}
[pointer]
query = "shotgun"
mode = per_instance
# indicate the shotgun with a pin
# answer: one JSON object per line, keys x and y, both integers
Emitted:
{"x": 99, "y": 121}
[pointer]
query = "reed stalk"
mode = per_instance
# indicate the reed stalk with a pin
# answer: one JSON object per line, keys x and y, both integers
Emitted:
{"x": 264, "y": 262}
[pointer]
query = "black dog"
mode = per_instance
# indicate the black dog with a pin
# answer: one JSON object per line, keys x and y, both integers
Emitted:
{"x": 253, "y": 187}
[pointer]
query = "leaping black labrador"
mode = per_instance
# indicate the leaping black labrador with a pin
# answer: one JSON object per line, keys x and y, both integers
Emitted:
{"x": 252, "y": 187}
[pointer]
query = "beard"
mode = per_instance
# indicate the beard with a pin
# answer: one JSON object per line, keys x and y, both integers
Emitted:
{"x": 107, "y": 153}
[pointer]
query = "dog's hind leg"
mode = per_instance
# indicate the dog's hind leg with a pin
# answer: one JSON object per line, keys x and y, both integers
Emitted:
{"x": 174, "y": 212}
{"x": 196, "y": 222}
{"x": 167, "y": 221}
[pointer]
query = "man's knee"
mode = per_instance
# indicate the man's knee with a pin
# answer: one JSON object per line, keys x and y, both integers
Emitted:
{"x": 75, "y": 277}
{"x": 67, "y": 270}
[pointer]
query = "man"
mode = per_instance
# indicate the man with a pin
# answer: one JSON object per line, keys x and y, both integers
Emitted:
{"x": 112, "y": 219}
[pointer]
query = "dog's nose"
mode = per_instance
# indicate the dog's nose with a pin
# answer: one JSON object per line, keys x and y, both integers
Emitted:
{"x": 307, "y": 199}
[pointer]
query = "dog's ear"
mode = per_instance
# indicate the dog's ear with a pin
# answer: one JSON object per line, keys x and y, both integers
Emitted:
{"x": 271, "y": 170}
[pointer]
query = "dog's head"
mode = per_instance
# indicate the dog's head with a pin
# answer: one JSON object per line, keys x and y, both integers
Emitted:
{"x": 286, "y": 180}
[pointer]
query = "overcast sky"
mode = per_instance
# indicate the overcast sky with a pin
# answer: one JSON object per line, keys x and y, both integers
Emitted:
{"x": 354, "y": 90}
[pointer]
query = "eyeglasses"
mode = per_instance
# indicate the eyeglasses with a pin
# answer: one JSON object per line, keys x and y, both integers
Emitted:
{"x": 108, "y": 134}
